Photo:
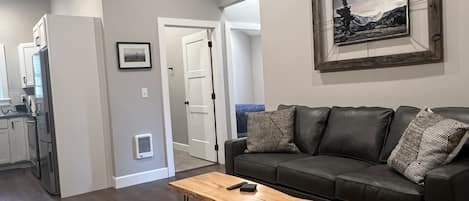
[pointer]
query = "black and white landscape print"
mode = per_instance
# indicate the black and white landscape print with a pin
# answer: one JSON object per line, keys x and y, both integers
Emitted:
{"x": 357, "y": 21}
{"x": 134, "y": 55}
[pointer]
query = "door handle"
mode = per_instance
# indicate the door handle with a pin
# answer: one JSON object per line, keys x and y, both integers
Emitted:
{"x": 186, "y": 102}
{"x": 24, "y": 79}
{"x": 36, "y": 40}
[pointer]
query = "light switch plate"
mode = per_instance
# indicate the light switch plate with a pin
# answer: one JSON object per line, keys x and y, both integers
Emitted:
{"x": 145, "y": 93}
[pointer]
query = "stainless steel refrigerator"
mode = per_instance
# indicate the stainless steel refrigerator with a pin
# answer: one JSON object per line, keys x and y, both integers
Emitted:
{"x": 45, "y": 124}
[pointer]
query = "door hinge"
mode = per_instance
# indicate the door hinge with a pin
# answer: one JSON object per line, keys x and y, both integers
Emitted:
{"x": 213, "y": 96}
{"x": 210, "y": 44}
{"x": 216, "y": 147}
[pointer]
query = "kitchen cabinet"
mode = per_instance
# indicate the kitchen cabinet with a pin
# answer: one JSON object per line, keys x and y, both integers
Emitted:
{"x": 26, "y": 52}
{"x": 4, "y": 147}
{"x": 13, "y": 141}
{"x": 19, "y": 149}
{"x": 40, "y": 34}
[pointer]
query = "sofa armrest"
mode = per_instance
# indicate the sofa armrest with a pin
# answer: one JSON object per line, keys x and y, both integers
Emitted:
{"x": 233, "y": 148}
{"x": 448, "y": 183}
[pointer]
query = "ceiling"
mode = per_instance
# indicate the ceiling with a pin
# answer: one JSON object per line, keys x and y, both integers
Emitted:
{"x": 225, "y": 3}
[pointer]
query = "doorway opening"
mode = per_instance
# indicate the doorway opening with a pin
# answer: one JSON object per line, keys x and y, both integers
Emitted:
{"x": 193, "y": 90}
{"x": 190, "y": 86}
{"x": 245, "y": 64}
{"x": 246, "y": 73}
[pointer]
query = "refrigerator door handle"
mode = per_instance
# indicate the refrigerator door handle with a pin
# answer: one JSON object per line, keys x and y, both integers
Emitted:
{"x": 51, "y": 165}
{"x": 47, "y": 122}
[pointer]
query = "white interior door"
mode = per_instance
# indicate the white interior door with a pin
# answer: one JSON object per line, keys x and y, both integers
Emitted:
{"x": 200, "y": 107}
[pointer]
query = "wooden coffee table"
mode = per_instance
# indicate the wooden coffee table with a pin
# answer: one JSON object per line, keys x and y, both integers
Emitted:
{"x": 212, "y": 187}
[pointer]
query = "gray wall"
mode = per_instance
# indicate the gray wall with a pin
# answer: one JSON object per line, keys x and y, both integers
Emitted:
{"x": 17, "y": 18}
{"x": 126, "y": 20}
{"x": 291, "y": 79}
{"x": 177, "y": 89}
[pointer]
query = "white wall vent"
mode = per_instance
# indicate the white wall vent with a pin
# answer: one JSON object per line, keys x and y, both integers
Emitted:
{"x": 143, "y": 146}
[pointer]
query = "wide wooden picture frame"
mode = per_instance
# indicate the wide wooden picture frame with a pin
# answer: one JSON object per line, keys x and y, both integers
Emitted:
{"x": 434, "y": 53}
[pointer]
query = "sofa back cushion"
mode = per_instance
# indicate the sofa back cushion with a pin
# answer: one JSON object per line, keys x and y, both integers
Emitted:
{"x": 402, "y": 118}
{"x": 457, "y": 113}
{"x": 310, "y": 124}
{"x": 356, "y": 132}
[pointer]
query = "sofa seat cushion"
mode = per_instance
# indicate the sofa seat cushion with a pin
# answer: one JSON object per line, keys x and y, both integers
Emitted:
{"x": 377, "y": 183}
{"x": 317, "y": 175}
{"x": 262, "y": 166}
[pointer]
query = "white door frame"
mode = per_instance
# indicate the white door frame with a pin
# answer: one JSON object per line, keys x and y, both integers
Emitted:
{"x": 219, "y": 86}
{"x": 229, "y": 28}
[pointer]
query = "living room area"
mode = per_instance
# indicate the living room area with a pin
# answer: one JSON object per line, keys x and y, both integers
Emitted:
{"x": 275, "y": 100}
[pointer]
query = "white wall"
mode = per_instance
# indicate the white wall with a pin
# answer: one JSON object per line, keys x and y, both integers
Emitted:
{"x": 291, "y": 79}
{"x": 177, "y": 89}
{"x": 242, "y": 69}
{"x": 17, "y": 19}
{"x": 257, "y": 69}
{"x": 248, "y": 84}
{"x": 90, "y": 8}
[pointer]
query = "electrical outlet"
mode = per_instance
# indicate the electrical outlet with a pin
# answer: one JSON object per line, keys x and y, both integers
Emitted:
{"x": 145, "y": 93}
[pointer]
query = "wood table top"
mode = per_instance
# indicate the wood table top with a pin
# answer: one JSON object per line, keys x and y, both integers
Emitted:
{"x": 212, "y": 187}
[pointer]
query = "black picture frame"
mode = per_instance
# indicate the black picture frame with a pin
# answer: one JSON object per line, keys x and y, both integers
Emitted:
{"x": 141, "y": 60}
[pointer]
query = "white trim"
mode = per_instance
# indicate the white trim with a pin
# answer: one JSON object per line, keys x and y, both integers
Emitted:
{"x": 218, "y": 72}
{"x": 181, "y": 147}
{"x": 3, "y": 74}
{"x": 229, "y": 27}
{"x": 140, "y": 178}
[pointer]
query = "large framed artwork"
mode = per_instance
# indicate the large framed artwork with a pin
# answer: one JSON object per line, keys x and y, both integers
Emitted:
{"x": 363, "y": 34}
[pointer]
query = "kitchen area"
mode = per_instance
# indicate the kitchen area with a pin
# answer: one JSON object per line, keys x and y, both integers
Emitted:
{"x": 27, "y": 153}
{"x": 27, "y": 140}
{"x": 18, "y": 140}
{"x": 55, "y": 139}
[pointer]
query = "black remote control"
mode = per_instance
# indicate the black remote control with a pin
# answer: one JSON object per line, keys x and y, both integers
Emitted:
{"x": 236, "y": 186}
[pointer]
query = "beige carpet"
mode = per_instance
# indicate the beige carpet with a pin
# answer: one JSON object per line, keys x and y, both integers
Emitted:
{"x": 184, "y": 161}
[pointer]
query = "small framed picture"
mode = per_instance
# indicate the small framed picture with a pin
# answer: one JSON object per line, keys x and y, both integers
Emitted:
{"x": 134, "y": 55}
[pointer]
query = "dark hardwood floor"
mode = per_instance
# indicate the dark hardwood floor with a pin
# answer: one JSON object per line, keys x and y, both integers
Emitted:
{"x": 20, "y": 185}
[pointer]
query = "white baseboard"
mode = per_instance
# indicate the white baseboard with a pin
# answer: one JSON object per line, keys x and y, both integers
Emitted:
{"x": 140, "y": 178}
{"x": 181, "y": 147}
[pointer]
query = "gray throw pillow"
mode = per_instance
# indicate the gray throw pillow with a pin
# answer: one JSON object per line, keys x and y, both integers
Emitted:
{"x": 271, "y": 131}
{"x": 429, "y": 142}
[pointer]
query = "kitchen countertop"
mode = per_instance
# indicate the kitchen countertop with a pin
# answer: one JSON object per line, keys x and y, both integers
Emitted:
{"x": 14, "y": 115}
